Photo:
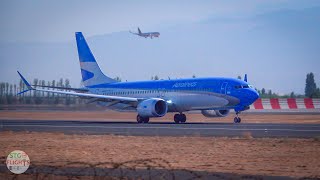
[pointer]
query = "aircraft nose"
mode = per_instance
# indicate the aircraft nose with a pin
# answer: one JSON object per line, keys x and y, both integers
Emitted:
{"x": 254, "y": 95}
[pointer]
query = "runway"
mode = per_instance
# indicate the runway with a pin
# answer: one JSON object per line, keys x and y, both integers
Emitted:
{"x": 163, "y": 129}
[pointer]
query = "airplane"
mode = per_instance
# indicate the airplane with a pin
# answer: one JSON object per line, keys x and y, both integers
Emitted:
{"x": 148, "y": 34}
{"x": 214, "y": 96}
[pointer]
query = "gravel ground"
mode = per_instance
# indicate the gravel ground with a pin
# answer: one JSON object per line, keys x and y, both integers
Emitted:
{"x": 243, "y": 155}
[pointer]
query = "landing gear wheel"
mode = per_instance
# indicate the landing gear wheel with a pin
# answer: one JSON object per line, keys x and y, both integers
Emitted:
{"x": 183, "y": 118}
{"x": 139, "y": 119}
{"x": 237, "y": 120}
{"x": 176, "y": 118}
{"x": 180, "y": 118}
{"x": 146, "y": 120}
{"x": 142, "y": 119}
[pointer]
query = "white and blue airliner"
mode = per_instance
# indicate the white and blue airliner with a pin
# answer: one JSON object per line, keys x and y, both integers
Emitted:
{"x": 146, "y": 34}
{"x": 214, "y": 97}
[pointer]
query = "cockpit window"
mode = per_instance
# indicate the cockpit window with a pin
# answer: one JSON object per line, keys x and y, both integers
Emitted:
{"x": 243, "y": 86}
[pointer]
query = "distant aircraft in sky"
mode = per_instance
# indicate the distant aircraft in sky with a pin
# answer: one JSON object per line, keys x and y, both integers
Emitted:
{"x": 147, "y": 34}
{"x": 214, "y": 97}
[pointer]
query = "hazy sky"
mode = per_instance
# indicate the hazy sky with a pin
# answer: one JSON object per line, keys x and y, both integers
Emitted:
{"x": 52, "y": 21}
{"x": 248, "y": 25}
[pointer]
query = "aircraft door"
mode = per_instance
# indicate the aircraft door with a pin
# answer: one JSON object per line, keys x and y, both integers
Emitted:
{"x": 224, "y": 88}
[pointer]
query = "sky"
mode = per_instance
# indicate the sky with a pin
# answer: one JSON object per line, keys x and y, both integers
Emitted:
{"x": 276, "y": 42}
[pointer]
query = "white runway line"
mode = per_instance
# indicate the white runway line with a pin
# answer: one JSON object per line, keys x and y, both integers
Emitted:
{"x": 176, "y": 128}
{"x": 216, "y": 124}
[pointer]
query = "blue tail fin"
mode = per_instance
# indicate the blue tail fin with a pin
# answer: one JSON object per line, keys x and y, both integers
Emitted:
{"x": 90, "y": 71}
{"x": 139, "y": 31}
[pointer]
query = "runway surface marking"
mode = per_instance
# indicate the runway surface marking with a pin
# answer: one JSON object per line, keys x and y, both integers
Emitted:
{"x": 152, "y": 127}
{"x": 163, "y": 128}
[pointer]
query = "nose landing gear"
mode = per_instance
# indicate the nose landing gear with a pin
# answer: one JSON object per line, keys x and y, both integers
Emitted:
{"x": 237, "y": 119}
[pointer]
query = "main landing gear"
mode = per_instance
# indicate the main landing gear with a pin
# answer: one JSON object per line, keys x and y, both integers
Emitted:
{"x": 237, "y": 119}
{"x": 142, "y": 119}
{"x": 180, "y": 118}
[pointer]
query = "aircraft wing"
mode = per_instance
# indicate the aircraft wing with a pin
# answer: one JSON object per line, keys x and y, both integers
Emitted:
{"x": 63, "y": 88}
{"x": 133, "y": 33}
{"x": 88, "y": 95}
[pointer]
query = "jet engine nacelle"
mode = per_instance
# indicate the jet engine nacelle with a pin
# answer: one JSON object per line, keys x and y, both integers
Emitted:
{"x": 154, "y": 107}
{"x": 215, "y": 113}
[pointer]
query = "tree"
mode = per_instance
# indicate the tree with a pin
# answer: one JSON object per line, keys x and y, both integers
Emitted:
{"x": 7, "y": 88}
{"x": 269, "y": 93}
{"x": 1, "y": 89}
{"x": 3, "y": 93}
{"x": 15, "y": 89}
{"x": 193, "y": 76}
{"x": 263, "y": 91}
{"x": 10, "y": 90}
{"x": 35, "y": 82}
{"x": 117, "y": 79}
{"x": 259, "y": 92}
{"x": 311, "y": 87}
{"x": 67, "y": 85}
{"x": 21, "y": 87}
{"x": 156, "y": 78}
{"x": 43, "y": 83}
{"x": 53, "y": 85}
{"x": 48, "y": 94}
{"x": 292, "y": 95}
{"x": 317, "y": 95}
{"x": 239, "y": 77}
{"x": 59, "y": 84}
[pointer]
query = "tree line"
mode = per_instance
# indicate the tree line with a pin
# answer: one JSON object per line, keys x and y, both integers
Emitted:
{"x": 8, "y": 92}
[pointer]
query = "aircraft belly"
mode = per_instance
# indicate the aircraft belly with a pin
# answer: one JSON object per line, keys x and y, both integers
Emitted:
{"x": 185, "y": 102}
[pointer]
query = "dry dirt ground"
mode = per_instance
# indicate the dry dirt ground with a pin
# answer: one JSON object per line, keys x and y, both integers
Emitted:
{"x": 117, "y": 116}
{"x": 244, "y": 155}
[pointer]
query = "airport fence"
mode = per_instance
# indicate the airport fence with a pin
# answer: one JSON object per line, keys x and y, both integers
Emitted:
{"x": 286, "y": 104}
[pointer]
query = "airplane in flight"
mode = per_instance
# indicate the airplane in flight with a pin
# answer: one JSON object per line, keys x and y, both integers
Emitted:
{"x": 214, "y": 97}
{"x": 148, "y": 34}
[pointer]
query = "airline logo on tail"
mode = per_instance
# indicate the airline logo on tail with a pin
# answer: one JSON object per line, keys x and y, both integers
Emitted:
{"x": 147, "y": 34}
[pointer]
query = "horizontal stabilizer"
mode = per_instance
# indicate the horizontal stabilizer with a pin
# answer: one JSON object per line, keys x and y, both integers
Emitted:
{"x": 23, "y": 91}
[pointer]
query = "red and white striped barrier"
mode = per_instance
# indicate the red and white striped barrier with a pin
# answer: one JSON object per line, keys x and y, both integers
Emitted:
{"x": 289, "y": 103}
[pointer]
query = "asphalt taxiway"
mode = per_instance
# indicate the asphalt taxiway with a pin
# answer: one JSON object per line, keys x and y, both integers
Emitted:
{"x": 163, "y": 128}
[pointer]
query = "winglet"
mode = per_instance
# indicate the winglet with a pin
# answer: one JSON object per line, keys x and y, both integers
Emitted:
{"x": 245, "y": 78}
{"x": 25, "y": 82}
